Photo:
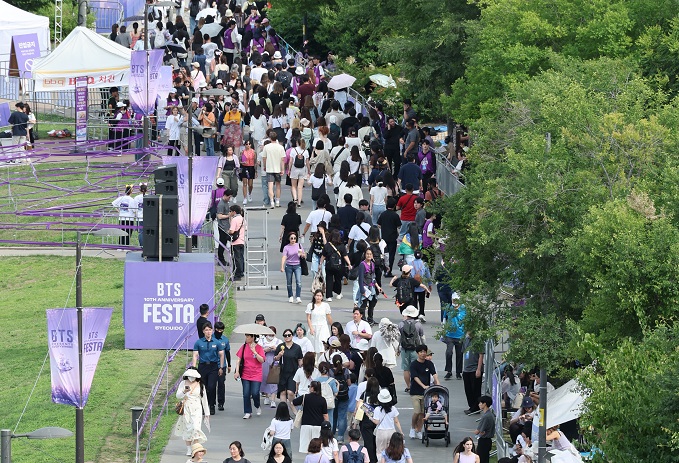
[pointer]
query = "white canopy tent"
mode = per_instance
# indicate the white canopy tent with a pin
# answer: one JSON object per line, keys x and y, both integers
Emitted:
{"x": 83, "y": 53}
{"x": 563, "y": 404}
{"x": 16, "y": 21}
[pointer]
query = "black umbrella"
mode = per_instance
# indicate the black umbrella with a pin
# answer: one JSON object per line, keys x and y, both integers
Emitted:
{"x": 175, "y": 47}
{"x": 133, "y": 18}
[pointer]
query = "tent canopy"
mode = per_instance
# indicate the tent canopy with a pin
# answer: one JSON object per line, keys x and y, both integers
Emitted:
{"x": 83, "y": 53}
{"x": 16, "y": 21}
{"x": 563, "y": 404}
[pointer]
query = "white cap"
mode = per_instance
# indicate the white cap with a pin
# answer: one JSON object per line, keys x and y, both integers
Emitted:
{"x": 219, "y": 81}
{"x": 194, "y": 100}
{"x": 277, "y": 55}
{"x": 120, "y": 104}
{"x": 299, "y": 70}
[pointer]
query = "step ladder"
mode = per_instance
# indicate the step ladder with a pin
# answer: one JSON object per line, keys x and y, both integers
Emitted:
{"x": 256, "y": 249}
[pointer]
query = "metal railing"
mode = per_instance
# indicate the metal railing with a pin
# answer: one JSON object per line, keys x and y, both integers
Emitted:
{"x": 106, "y": 14}
{"x": 447, "y": 180}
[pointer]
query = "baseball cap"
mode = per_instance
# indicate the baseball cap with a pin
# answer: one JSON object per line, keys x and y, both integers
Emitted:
{"x": 220, "y": 181}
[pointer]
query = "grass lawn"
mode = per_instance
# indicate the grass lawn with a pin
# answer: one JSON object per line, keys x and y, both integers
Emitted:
{"x": 123, "y": 379}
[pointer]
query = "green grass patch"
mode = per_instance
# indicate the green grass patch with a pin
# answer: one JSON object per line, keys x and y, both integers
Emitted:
{"x": 123, "y": 379}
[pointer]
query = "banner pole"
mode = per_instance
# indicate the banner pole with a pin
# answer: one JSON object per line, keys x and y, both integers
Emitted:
{"x": 79, "y": 416}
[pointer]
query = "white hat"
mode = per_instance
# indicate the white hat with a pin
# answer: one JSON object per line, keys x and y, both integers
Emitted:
{"x": 220, "y": 181}
{"x": 173, "y": 90}
{"x": 385, "y": 322}
{"x": 195, "y": 64}
{"x": 277, "y": 55}
{"x": 299, "y": 70}
{"x": 191, "y": 373}
{"x": 363, "y": 345}
{"x": 455, "y": 296}
{"x": 120, "y": 104}
{"x": 411, "y": 312}
{"x": 219, "y": 81}
{"x": 304, "y": 121}
{"x": 228, "y": 13}
{"x": 194, "y": 100}
{"x": 407, "y": 268}
{"x": 384, "y": 397}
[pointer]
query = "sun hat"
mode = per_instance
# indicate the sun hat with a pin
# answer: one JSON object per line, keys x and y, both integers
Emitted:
{"x": 411, "y": 312}
{"x": 191, "y": 373}
{"x": 277, "y": 55}
{"x": 197, "y": 448}
{"x": 219, "y": 81}
{"x": 384, "y": 397}
{"x": 120, "y": 104}
{"x": 228, "y": 13}
{"x": 362, "y": 345}
{"x": 385, "y": 322}
{"x": 299, "y": 70}
{"x": 195, "y": 64}
{"x": 406, "y": 268}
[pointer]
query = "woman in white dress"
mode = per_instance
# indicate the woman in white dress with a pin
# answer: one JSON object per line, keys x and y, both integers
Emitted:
{"x": 318, "y": 319}
{"x": 192, "y": 392}
{"x": 301, "y": 340}
{"x": 269, "y": 343}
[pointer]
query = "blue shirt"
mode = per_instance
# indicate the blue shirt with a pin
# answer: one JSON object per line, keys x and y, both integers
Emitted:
{"x": 455, "y": 322}
{"x": 223, "y": 343}
{"x": 410, "y": 173}
{"x": 352, "y": 398}
{"x": 208, "y": 351}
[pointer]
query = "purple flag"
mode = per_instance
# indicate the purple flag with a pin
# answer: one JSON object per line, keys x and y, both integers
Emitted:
{"x": 204, "y": 171}
{"x": 26, "y": 49}
{"x": 62, "y": 335}
{"x": 144, "y": 79}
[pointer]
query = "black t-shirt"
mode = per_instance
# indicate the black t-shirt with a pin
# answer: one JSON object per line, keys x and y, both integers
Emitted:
{"x": 384, "y": 376}
{"x": 328, "y": 250}
{"x": 412, "y": 281}
{"x": 390, "y": 224}
{"x": 290, "y": 359}
{"x": 291, "y": 222}
{"x": 357, "y": 358}
{"x": 200, "y": 324}
{"x": 423, "y": 371}
{"x": 315, "y": 407}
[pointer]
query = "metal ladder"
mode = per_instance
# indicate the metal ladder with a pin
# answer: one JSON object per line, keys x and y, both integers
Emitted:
{"x": 256, "y": 248}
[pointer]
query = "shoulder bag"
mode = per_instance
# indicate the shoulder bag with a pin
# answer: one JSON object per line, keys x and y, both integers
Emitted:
{"x": 298, "y": 416}
{"x": 303, "y": 263}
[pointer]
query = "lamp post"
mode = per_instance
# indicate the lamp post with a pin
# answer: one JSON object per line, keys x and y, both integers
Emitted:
{"x": 49, "y": 432}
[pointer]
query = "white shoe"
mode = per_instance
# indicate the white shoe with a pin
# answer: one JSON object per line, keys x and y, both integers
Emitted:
{"x": 422, "y": 319}
{"x": 299, "y": 300}
{"x": 412, "y": 434}
{"x": 259, "y": 412}
{"x": 188, "y": 450}
{"x": 291, "y": 300}
{"x": 247, "y": 416}
{"x": 273, "y": 404}
{"x": 266, "y": 401}
{"x": 245, "y": 201}
{"x": 339, "y": 296}
{"x": 278, "y": 203}
{"x": 419, "y": 435}
{"x": 329, "y": 299}
{"x": 250, "y": 198}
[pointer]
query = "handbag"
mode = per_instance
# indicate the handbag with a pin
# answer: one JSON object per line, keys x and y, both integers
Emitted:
{"x": 353, "y": 273}
{"x": 274, "y": 373}
{"x": 179, "y": 407}
{"x": 518, "y": 400}
{"x": 298, "y": 416}
{"x": 288, "y": 180}
{"x": 241, "y": 364}
{"x": 303, "y": 264}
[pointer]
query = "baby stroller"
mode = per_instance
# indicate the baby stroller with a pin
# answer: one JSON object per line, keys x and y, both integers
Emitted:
{"x": 435, "y": 426}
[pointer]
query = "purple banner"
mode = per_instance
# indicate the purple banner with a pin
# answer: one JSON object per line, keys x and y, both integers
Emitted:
{"x": 162, "y": 299}
{"x": 144, "y": 77}
{"x": 4, "y": 114}
{"x": 62, "y": 336}
{"x": 81, "y": 109}
{"x": 204, "y": 171}
{"x": 26, "y": 49}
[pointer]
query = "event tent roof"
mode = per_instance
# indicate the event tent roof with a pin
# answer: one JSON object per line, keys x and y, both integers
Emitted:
{"x": 83, "y": 53}
{"x": 16, "y": 21}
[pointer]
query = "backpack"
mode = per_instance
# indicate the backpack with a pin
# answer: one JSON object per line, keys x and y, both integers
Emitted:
{"x": 316, "y": 193}
{"x": 299, "y": 161}
{"x": 194, "y": 8}
{"x": 404, "y": 291}
{"x": 378, "y": 258}
{"x": 328, "y": 395}
{"x": 335, "y": 259}
{"x": 410, "y": 338}
{"x": 353, "y": 456}
{"x": 342, "y": 388}
{"x": 419, "y": 270}
{"x": 285, "y": 78}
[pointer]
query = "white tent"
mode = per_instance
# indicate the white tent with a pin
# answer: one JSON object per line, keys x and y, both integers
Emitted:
{"x": 563, "y": 404}
{"x": 83, "y": 53}
{"x": 16, "y": 21}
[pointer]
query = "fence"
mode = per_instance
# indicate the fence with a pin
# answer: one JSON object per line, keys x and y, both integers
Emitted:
{"x": 445, "y": 174}
{"x": 106, "y": 13}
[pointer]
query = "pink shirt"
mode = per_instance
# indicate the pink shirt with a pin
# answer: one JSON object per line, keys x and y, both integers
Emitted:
{"x": 252, "y": 369}
{"x": 238, "y": 222}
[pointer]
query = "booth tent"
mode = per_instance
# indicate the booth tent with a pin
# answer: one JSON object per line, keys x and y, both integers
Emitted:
{"x": 16, "y": 21}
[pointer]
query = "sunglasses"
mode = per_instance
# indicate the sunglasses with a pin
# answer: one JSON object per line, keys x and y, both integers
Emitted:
{"x": 293, "y": 238}
{"x": 289, "y": 335}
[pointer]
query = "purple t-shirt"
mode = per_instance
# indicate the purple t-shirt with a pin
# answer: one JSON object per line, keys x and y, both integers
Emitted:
{"x": 290, "y": 251}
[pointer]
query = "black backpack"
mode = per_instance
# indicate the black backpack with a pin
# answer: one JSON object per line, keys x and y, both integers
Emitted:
{"x": 285, "y": 78}
{"x": 342, "y": 388}
{"x": 335, "y": 259}
{"x": 410, "y": 338}
{"x": 299, "y": 162}
{"x": 194, "y": 8}
{"x": 404, "y": 291}
{"x": 378, "y": 257}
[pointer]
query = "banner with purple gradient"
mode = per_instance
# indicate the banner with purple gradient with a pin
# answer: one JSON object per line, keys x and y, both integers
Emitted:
{"x": 62, "y": 340}
{"x": 26, "y": 49}
{"x": 144, "y": 79}
{"x": 81, "y": 109}
{"x": 162, "y": 300}
{"x": 204, "y": 171}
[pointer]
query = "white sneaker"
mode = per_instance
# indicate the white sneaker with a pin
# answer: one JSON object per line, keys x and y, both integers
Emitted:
{"x": 278, "y": 202}
{"x": 291, "y": 300}
{"x": 329, "y": 299}
{"x": 266, "y": 401}
{"x": 299, "y": 300}
{"x": 422, "y": 319}
{"x": 188, "y": 450}
{"x": 273, "y": 404}
{"x": 250, "y": 198}
{"x": 412, "y": 434}
{"x": 419, "y": 435}
{"x": 339, "y": 296}
{"x": 259, "y": 412}
{"x": 247, "y": 416}
{"x": 245, "y": 201}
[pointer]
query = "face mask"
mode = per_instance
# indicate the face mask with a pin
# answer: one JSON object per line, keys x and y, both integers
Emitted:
{"x": 270, "y": 338}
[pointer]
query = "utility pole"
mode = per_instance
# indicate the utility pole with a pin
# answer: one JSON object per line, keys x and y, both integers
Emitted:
{"x": 79, "y": 410}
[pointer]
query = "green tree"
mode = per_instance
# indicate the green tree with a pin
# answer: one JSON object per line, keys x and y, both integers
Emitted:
{"x": 31, "y": 5}
{"x": 632, "y": 409}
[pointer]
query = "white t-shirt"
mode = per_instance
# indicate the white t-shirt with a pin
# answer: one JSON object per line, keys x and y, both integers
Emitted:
{"x": 303, "y": 381}
{"x": 139, "y": 204}
{"x": 318, "y": 182}
{"x": 281, "y": 429}
{"x": 362, "y": 327}
{"x": 359, "y": 232}
{"x": 332, "y": 447}
{"x": 341, "y": 153}
{"x": 257, "y": 73}
{"x": 127, "y": 207}
{"x": 317, "y": 216}
{"x": 386, "y": 419}
{"x": 379, "y": 195}
{"x": 304, "y": 344}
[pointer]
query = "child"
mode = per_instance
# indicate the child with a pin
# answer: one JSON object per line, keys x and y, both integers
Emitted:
{"x": 353, "y": 386}
{"x": 436, "y": 408}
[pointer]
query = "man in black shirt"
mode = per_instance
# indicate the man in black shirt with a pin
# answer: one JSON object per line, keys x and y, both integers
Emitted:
{"x": 421, "y": 372}
{"x": 202, "y": 320}
{"x": 392, "y": 146}
{"x": 390, "y": 224}
{"x": 349, "y": 122}
{"x": 347, "y": 215}
{"x": 19, "y": 121}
